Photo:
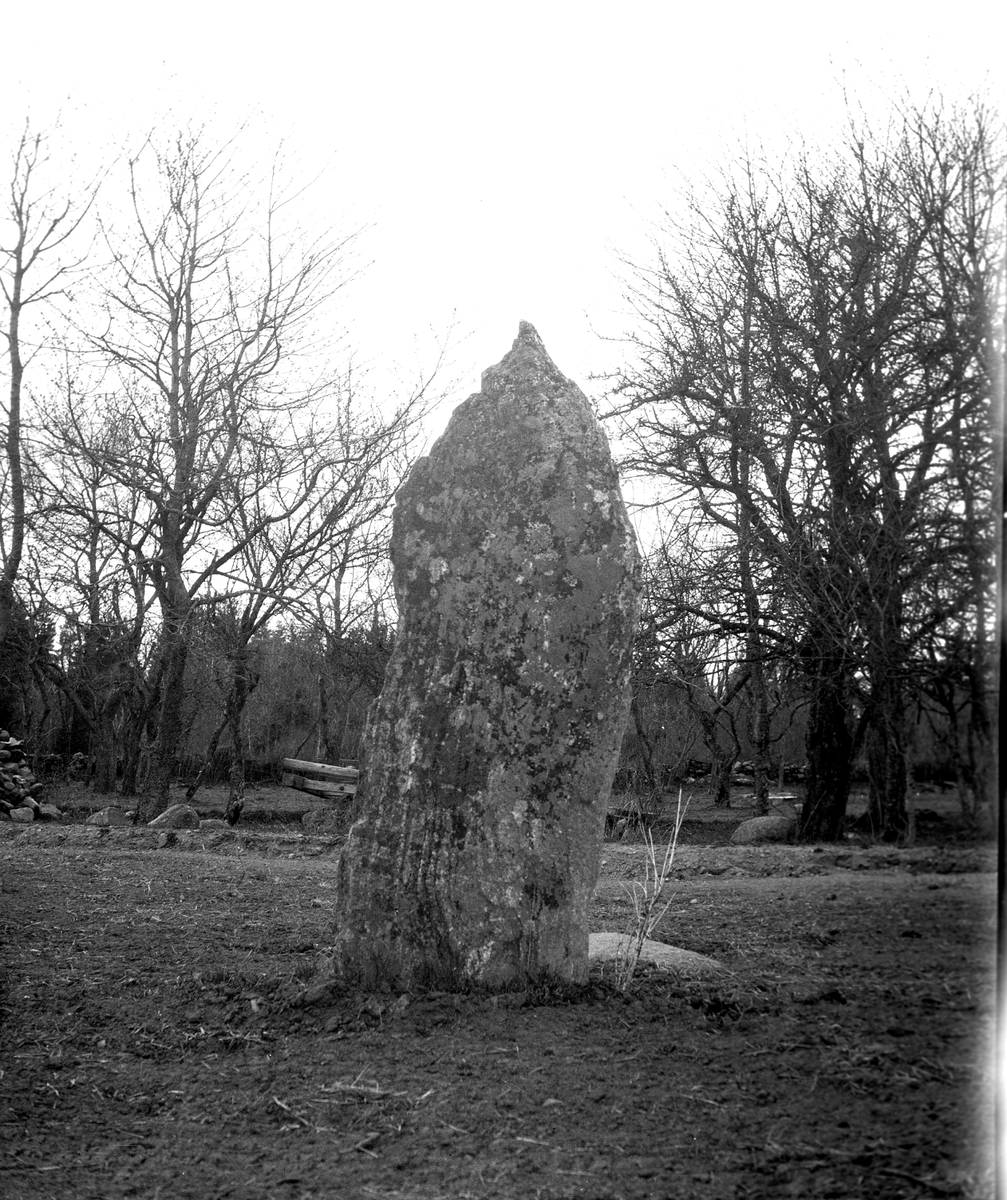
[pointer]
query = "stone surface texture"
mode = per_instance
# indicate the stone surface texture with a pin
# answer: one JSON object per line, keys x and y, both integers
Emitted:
{"x": 764, "y": 829}
{"x": 178, "y": 816}
{"x": 489, "y": 756}
{"x": 108, "y": 817}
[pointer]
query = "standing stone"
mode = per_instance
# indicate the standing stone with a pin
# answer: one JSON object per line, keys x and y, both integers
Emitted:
{"x": 489, "y": 756}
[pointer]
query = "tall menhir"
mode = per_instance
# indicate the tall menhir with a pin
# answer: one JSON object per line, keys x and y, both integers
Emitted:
{"x": 489, "y": 756}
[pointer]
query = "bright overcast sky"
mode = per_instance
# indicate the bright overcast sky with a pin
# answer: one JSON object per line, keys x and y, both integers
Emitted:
{"x": 501, "y": 155}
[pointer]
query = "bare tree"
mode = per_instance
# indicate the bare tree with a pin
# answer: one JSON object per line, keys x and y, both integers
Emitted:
{"x": 712, "y": 623}
{"x": 794, "y": 378}
{"x": 207, "y": 313}
{"x": 321, "y": 511}
{"x": 91, "y": 534}
{"x": 38, "y": 226}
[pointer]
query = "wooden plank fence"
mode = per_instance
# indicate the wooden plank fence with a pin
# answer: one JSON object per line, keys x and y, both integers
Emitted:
{"x": 319, "y": 779}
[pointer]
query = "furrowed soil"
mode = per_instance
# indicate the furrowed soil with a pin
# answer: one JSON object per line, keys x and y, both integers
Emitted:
{"x": 168, "y": 1028}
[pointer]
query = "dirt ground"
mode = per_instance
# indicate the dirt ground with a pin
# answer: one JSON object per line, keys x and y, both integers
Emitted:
{"x": 166, "y": 1031}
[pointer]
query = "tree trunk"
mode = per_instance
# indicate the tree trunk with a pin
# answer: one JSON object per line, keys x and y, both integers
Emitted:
{"x": 646, "y": 746}
{"x": 721, "y": 761}
{"x": 243, "y": 684}
{"x": 322, "y": 739}
{"x": 236, "y": 786}
{"x": 758, "y": 727}
{"x": 14, "y": 520}
{"x": 887, "y": 812}
{"x": 722, "y": 766}
{"x": 830, "y": 750}
{"x": 137, "y": 716}
{"x": 981, "y": 750}
{"x": 103, "y": 747}
{"x": 164, "y": 755}
{"x": 211, "y": 750}
{"x": 6, "y": 609}
{"x": 235, "y": 795}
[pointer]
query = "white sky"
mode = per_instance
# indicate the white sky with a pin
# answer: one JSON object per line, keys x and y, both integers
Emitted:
{"x": 502, "y": 155}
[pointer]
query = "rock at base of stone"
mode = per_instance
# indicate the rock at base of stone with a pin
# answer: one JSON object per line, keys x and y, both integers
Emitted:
{"x": 324, "y": 820}
{"x": 213, "y": 823}
{"x": 610, "y": 947}
{"x": 764, "y": 829}
{"x": 179, "y": 816}
{"x": 24, "y": 815}
{"x": 108, "y": 818}
{"x": 48, "y": 812}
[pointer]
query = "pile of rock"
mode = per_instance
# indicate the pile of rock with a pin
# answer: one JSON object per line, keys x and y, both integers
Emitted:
{"x": 19, "y": 788}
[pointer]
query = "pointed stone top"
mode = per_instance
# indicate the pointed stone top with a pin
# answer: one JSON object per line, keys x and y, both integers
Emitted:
{"x": 528, "y": 334}
{"x": 526, "y": 364}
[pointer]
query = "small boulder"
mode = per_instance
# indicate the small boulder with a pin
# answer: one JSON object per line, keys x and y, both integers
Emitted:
{"x": 179, "y": 816}
{"x": 764, "y": 829}
{"x": 605, "y": 947}
{"x": 108, "y": 818}
{"x": 213, "y": 823}
{"x": 22, "y": 814}
{"x": 48, "y": 812}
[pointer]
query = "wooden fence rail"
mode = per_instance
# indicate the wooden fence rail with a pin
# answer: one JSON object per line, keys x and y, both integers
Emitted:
{"x": 319, "y": 779}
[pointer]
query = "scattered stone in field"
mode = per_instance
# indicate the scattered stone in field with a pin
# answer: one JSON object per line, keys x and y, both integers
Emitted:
{"x": 23, "y": 814}
{"x": 168, "y": 838}
{"x": 324, "y": 820}
{"x": 607, "y": 947}
{"x": 855, "y": 862}
{"x": 213, "y": 823}
{"x": 107, "y": 817}
{"x": 48, "y": 812}
{"x": 179, "y": 816}
{"x": 490, "y": 753}
{"x": 764, "y": 829}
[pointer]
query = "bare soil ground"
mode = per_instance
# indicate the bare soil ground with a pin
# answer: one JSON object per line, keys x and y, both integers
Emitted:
{"x": 165, "y": 1032}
